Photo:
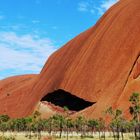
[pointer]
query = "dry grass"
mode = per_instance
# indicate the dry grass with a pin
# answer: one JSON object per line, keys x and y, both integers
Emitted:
{"x": 21, "y": 136}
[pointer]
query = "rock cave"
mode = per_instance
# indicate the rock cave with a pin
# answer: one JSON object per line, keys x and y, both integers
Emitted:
{"x": 63, "y": 99}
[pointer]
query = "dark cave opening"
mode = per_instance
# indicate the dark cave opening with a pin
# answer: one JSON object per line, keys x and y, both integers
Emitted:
{"x": 65, "y": 99}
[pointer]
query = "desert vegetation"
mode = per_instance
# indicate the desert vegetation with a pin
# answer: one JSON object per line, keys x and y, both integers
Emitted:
{"x": 59, "y": 126}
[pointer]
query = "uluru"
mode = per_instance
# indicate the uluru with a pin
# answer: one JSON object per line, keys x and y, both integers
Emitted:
{"x": 95, "y": 70}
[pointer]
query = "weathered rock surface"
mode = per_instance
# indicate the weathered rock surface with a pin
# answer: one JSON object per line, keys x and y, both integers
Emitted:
{"x": 14, "y": 92}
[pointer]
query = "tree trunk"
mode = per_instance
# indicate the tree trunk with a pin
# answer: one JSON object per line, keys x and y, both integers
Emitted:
{"x": 99, "y": 135}
{"x": 50, "y": 129}
{"x": 104, "y": 134}
{"x": 81, "y": 131}
{"x": 139, "y": 130}
{"x": 122, "y": 134}
{"x": 113, "y": 134}
{"x": 135, "y": 133}
{"x": 39, "y": 134}
{"x": 67, "y": 133}
{"x": 30, "y": 135}
{"x": 60, "y": 132}
{"x": 93, "y": 132}
{"x": 118, "y": 133}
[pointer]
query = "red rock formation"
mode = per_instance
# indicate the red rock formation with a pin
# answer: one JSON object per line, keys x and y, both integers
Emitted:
{"x": 14, "y": 93}
{"x": 100, "y": 65}
{"x": 97, "y": 64}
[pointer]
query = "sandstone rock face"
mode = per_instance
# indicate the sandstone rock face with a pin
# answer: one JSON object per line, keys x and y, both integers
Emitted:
{"x": 14, "y": 92}
{"x": 100, "y": 65}
{"x": 97, "y": 64}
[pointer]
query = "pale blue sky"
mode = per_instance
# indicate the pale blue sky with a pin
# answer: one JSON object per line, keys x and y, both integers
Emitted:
{"x": 31, "y": 30}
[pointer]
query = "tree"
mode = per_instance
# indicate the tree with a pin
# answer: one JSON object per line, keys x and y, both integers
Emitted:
{"x": 69, "y": 124}
{"x": 4, "y": 118}
{"x": 39, "y": 126}
{"x": 59, "y": 121}
{"x": 118, "y": 125}
{"x": 66, "y": 109}
{"x": 101, "y": 126}
{"x": 29, "y": 124}
{"x": 50, "y": 125}
{"x": 80, "y": 123}
{"x": 134, "y": 110}
{"x": 68, "y": 121}
{"x": 3, "y": 127}
{"x": 19, "y": 124}
{"x": 115, "y": 122}
{"x": 124, "y": 125}
{"x": 3, "y": 122}
{"x": 92, "y": 124}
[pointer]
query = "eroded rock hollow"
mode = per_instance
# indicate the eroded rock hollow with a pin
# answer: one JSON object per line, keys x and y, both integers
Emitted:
{"x": 65, "y": 99}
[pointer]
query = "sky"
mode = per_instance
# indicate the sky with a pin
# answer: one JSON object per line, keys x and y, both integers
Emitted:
{"x": 31, "y": 30}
